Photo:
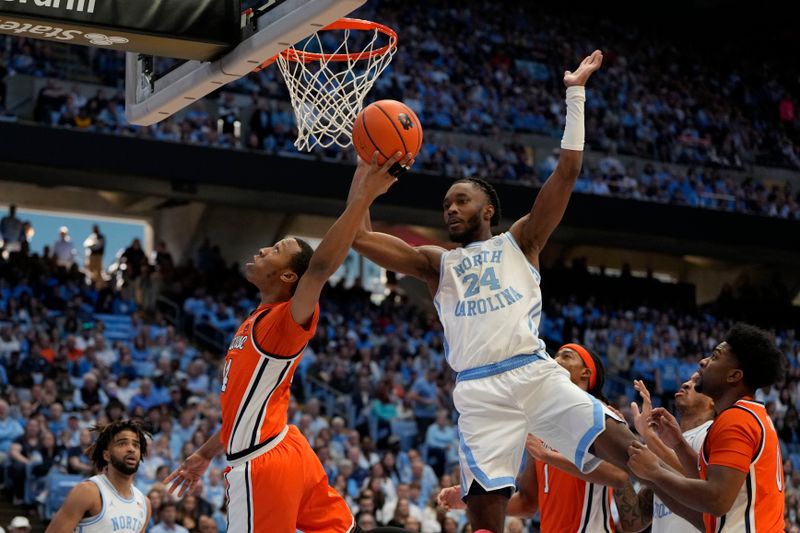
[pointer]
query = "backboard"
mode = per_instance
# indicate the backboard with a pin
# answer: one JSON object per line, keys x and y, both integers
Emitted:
{"x": 266, "y": 31}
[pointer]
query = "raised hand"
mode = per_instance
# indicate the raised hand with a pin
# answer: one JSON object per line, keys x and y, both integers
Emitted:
{"x": 666, "y": 427}
{"x": 450, "y": 498}
{"x": 640, "y": 418}
{"x": 187, "y": 477}
{"x": 588, "y": 66}
{"x": 373, "y": 179}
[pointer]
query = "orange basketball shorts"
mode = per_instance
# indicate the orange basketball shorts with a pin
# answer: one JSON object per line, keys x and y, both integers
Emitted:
{"x": 283, "y": 490}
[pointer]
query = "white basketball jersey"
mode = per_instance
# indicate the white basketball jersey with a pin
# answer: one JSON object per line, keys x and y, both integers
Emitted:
{"x": 489, "y": 303}
{"x": 664, "y": 520}
{"x": 118, "y": 513}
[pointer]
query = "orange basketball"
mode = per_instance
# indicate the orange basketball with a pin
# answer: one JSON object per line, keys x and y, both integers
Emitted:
{"x": 387, "y": 126}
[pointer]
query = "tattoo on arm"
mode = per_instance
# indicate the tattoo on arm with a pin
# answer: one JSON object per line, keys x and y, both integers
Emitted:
{"x": 635, "y": 510}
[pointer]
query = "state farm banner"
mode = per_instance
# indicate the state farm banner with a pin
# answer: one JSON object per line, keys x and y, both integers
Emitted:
{"x": 186, "y": 29}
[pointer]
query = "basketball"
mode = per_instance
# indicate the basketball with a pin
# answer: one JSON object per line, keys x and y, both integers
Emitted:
{"x": 387, "y": 126}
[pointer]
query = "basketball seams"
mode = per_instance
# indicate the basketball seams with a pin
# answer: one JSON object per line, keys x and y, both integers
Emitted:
{"x": 400, "y": 135}
{"x": 366, "y": 130}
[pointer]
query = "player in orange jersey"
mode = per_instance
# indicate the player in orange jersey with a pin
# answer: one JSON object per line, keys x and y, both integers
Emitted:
{"x": 567, "y": 499}
{"x": 275, "y": 482}
{"x": 740, "y": 485}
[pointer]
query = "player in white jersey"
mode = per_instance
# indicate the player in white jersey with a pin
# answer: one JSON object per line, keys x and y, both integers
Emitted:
{"x": 696, "y": 412}
{"x": 488, "y": 299}
{"x": 108, "y": 502}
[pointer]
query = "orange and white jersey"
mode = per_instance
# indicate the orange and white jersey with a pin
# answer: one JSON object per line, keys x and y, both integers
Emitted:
{"x": 257, "y": 375}
{"x": 743, "y": 438}
{"x": 571, "y": 505}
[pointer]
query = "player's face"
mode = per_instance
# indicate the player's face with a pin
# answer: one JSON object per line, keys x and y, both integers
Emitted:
{"x": 125, "y": 452}
{"x": 270, "y": 263}
{"x": 714, "y": 371}
{"x": 465, "y": 212}
{"x": 687, "y": 399}
{"x": 573, "y": 363}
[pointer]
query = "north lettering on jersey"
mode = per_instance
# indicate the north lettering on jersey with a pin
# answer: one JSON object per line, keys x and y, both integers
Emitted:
{"x": 126, "y": 523}
{"x": 476, "y": 260}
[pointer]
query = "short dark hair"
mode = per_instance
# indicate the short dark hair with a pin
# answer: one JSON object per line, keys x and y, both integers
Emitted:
{"x": 762, "y": 363}
{"x": 491, "y": 193}
{"x": 300, "y": 260}
{"x": 166, "y": 504}
{"x": 106, "y": 434}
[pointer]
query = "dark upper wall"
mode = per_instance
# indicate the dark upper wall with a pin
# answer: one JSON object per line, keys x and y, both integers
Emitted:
{"x": 63, "y": 157}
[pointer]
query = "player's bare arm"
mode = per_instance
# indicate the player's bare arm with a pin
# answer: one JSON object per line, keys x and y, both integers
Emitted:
{"x": 186, "y": 478}
{"x": 149, "y": 515}
{"x": 605, "y": 474}
{"x": 714, "y": 495}
{"x": 533, "y": 230}
{"x": 392, "y": 253}
{"x": 83, "y": 501}
{"x": 635, "y": 508}
{"x": 334, "y": 247}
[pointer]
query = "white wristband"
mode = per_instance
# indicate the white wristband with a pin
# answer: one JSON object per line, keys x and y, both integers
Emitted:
{"x": 574, "y": 130}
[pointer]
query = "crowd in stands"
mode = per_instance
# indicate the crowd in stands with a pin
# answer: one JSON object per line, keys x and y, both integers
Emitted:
{"x": 647, "y": 103}
{"x": 372, "y": 394}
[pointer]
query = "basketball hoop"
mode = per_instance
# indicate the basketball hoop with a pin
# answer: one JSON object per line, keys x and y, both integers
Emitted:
{"x": 328, "y": 87}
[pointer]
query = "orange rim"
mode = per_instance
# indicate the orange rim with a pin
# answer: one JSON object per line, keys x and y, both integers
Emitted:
{"x": 291, "y": 54}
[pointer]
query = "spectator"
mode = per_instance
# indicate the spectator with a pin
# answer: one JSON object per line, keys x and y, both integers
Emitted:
{"x": 19, "y": 524}
{"x": 167, "y": 523}
{"x": 77, "y": 460}
{"x": 423, "y": 396}
{"x": 10, "y": 430}
{"x": 11, "y": 233}
{"x": 95, "y": 245}
{"x": 64, "y": 249}
{"x": 440, "y": 440}
{"x": 24, "y": 454}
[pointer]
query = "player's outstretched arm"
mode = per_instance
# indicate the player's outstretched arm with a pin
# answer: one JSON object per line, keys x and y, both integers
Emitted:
{"x": 714, "y": 495}
{"x": 373, "y": 181}
{"x": 605, "y": 474}
{"x": 186, "y": 478}
{"x": 392, "y": 253}
{"x": 78, "y": 503}
{"x": 533, "y": 230}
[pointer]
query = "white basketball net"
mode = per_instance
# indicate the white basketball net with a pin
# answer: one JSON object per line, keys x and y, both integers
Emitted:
{"x": 328, "y": 91}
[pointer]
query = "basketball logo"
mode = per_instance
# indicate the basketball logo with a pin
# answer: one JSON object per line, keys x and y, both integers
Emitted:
{"x": 98, "y": 39}
{"x": 405, "y": 121}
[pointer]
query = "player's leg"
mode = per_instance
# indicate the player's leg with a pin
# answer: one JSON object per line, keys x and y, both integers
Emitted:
{"x": 264, "y": 494}
{"x": 569, "y": 419}
{"x": 322, "y": 509}
{"x": 486, "y": 510}
{"x": 492, "y": 432}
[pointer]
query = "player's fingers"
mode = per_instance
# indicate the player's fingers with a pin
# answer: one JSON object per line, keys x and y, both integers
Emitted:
{"x": 635, "y": 410}
{"x": 391, "y": 161}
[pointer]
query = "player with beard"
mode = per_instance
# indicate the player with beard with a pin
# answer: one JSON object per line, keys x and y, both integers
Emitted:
{"x": 108, "y": 501}
{"x": 740, "y": 485}
{"x": 489, "y": 300}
